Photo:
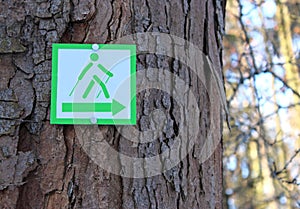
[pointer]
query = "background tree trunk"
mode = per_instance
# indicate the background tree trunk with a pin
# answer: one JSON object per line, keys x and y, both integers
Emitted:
{"x": 43, "y": 165}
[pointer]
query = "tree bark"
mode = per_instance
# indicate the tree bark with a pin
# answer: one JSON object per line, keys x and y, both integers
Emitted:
{"x": 43, "y": 165}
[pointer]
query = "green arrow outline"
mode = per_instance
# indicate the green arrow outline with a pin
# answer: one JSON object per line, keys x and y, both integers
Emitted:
{"x": 114, "y": 107}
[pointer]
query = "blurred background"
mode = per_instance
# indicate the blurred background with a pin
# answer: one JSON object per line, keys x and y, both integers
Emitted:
{"x": 262, "y": 79}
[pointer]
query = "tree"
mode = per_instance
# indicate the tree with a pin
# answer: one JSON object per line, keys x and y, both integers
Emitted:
{"x": 44, "y": 165}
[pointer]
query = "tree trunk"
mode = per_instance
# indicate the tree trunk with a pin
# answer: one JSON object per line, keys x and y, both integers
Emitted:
{"x": 44, "y": 165}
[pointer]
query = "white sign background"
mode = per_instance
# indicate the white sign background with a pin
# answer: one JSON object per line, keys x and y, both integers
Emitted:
{"x": 71, "y": 62}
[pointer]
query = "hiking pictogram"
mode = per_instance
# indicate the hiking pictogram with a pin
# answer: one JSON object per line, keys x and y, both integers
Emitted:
{"x": 94, "y": 57}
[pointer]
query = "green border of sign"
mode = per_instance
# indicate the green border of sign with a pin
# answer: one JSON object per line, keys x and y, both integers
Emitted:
{"x": 53, "y": 111}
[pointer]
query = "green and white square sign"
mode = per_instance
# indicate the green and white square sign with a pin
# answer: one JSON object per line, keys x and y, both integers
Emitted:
{"x": 93, "y": 84}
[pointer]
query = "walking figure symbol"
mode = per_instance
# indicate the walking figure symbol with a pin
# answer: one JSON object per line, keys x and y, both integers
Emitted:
{"x": 94, "y": 57}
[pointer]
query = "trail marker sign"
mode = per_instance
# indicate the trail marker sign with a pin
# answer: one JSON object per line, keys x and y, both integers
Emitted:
{"x": 93, "y": 84}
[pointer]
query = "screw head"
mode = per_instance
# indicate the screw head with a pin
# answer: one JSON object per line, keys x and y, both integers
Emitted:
{"x": 93, "y": 120}
{"x": 95, "y": 47}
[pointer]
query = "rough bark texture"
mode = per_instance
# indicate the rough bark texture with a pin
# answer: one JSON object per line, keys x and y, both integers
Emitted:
{"x": 43, "y": 165}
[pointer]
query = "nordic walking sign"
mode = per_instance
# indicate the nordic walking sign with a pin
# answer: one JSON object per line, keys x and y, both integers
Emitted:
{"x": 93, "y": 84}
